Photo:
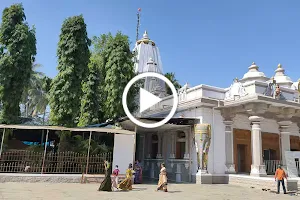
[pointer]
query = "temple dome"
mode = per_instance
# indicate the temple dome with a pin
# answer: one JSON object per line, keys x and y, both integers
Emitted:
{"x": 146, "y": 40}
{"x": 145, "y": 50}
{"x": 282, "y": 79}
{"x": 254, "y": 74}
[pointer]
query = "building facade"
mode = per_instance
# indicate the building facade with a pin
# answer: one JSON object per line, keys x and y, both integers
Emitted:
{"x": 245, "y": 128}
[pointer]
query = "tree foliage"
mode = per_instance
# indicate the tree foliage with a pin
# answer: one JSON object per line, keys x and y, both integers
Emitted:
{"x": 36, "y": 95}
{"x": 18, "y": 48}
{"x": 118, "y": 72}
{"x": 174, "y": 81}
{"x": 91, "y": 111}
{"x": 73, "y": 58}
{"x": 76, "y": 143}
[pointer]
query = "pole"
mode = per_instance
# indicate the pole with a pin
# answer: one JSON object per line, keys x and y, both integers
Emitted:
{"x": 191, "y": 141}
{"x": 88, "y": 154}
{"x": 138, "y": 24}
{"x": 2, "y": 141}
{"x": 134, "y": 143}
{"x": 45, "y": 151}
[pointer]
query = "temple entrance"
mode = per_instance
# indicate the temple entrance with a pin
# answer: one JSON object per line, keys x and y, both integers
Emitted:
{"x": 242, "y": 150}
{"x": 241, "y": 157}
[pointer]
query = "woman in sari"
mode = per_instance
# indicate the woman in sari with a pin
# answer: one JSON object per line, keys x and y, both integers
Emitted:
{"x": 138, "y": 176}
{"x": 163, "y": 180}
{"x": 106, "y": 183}
{"x": 126, "y": 184}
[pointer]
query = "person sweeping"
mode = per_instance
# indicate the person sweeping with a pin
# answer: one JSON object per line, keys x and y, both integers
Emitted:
{"x": 280, "y": 175}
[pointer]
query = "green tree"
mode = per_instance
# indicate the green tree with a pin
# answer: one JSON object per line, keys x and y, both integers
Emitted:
{"x": 174, "y": 81}
{"x": 73, "y": 58}
{"x": 18, "y": 48}
{"x": 90, "y": 112}
{"x": 34, "y": 87}
{"x": 118, "y": 72}
{"x": 39, "y": 98}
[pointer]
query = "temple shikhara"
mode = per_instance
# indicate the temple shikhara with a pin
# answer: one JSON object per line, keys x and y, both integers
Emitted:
{"x": 217, "y": 133}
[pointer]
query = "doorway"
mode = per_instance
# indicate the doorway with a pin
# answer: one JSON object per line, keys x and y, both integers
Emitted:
{"x": 241, "y": 157}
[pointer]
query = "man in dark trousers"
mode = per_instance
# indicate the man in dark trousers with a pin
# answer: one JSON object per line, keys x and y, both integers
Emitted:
{"x": 280, "y": 175}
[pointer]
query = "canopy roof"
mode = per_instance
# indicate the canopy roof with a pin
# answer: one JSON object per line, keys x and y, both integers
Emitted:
{"x": 60, "y": 128}
{"x": 173, "y": 124}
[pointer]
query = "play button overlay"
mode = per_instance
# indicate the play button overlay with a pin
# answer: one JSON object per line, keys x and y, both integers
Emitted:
{"x": 147, "y": 100}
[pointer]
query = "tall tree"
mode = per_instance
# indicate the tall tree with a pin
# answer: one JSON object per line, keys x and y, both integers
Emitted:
{"x": 118, "y": 72}
{"x": 91, "y": 111}
{"x": 18, "y": 50}
{"x": 73, "y": 58}
{"x": 174, "y": 81}
{"x": 93, "y": 99}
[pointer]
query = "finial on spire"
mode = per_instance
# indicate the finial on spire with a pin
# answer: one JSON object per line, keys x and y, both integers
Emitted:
{"x": 279, "y": 66}
{"x": 145, "y": 35}
{"x": 253, "y": 63}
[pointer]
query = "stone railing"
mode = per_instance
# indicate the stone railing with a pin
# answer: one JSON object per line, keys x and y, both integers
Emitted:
{"x": 178, "y": 169}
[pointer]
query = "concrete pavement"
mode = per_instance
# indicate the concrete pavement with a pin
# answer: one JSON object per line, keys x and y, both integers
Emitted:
{"x": 74, "y": 191}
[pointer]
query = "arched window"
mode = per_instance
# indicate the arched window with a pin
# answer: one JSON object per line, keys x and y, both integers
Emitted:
{"x": 180, "y": 145}
{"x": 154, "y": 146}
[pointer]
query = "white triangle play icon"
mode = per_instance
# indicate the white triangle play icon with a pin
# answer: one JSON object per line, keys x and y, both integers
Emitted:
{"x": 147, "y": 100}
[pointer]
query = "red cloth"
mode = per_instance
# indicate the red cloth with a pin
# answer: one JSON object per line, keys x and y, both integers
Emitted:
{"x": 116, "y": 172}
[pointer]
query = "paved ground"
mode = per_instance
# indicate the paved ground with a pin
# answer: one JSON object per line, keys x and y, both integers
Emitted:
{"x": 68, "y": 191}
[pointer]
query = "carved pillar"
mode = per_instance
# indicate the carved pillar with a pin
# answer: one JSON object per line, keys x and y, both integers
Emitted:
{"x": 257, "y": 167}
{"x": 149, "y": 145}
{"x": 172, "y": 143}
{"x": 230, "y": 167}
{"x": 186, "y": 152}
{"x": 228, "y": 114}
{"x": 159, "y": 150}
{"x": 284, "y": 139}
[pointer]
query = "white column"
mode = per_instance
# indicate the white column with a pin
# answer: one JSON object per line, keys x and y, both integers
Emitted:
{"x": 257, "y": 167}
{"x": 186, "y": 152}
{"x": 230, "y": 167}
{"x": 159, "y": 155}
{"x": 172, "y": 143}
{"x": 284, "y": 139}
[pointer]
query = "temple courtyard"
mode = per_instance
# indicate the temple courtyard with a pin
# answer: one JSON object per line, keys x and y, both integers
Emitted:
{"x": 68, "y": 191}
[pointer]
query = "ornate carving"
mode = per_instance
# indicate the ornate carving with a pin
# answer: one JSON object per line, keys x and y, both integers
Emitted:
{"x": 182, "y": 92}
{"x": 256, "y": 108}
{"x": 286, "y": 113}
{"x": 296, "y": 86}
{"x": 203, "y": 132}
{"x": 172, "y": 165}
{"x": 186, "y": 165}
{"x": 235, "y": 90}
{"x": 228, "y": 113}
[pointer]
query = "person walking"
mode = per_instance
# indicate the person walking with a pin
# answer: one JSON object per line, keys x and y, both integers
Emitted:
{"x": 115, "y": 178}
{"x": 163, "y": 180}
{"x": 106, "y": 183}
{"x": 280, "y": 175}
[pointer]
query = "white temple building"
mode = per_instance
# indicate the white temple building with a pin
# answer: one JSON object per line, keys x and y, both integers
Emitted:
{"x": 246, "y": 128}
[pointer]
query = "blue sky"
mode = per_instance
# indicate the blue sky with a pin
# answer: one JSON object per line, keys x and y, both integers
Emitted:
{"x": 203, "y": 42}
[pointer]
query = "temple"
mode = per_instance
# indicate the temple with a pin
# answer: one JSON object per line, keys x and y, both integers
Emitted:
{"x": 147, "y": 59}
{"x": 218, "y": 133}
